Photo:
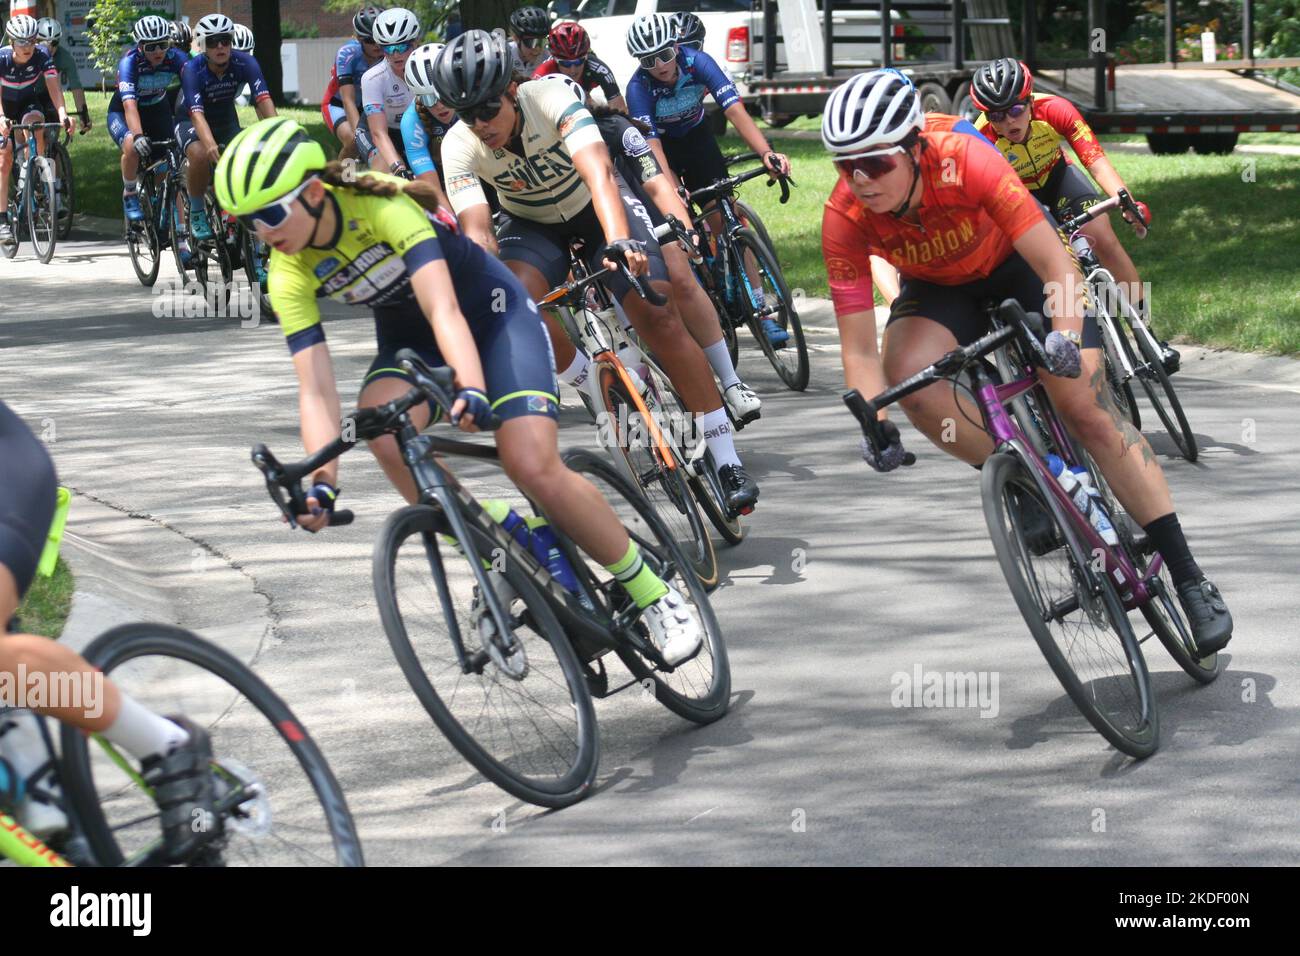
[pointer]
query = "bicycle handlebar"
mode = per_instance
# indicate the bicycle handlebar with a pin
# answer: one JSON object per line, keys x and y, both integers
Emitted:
{"x": 284, "y": 482}
{"x": 674, "y": 230}
{"x": 1016, "y": 323}
{"x": 1121, "y": 200}
{"x": 728, "y": 185}
{"x": 640, "y": 286}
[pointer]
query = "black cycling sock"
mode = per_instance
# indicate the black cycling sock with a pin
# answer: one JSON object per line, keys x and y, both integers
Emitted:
{"x": 1167, "y": 536}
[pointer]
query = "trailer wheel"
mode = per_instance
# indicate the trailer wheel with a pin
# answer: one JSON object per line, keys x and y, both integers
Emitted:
{"x": 965, "y": 108}
{"x": 934, "y": 98}
{"x": 1168, "y": 144}
{"x": 1214, "y": 144}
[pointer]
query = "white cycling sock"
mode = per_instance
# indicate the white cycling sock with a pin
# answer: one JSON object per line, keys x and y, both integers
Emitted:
{"x": 720, "y": 361}
{"x": 576, "y": 373}
{"x": 128, "y": 185}
{"x": 716, "y": 428}
{"x": 142, "y": 733}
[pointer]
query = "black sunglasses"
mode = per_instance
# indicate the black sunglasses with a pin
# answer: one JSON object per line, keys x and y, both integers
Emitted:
{"x": 154, "y": 47}
{"x": 217, "y": 39}
{"x": 486, "y": 111}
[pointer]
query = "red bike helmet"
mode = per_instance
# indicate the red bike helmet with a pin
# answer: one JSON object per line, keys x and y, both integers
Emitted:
{"x": 569, "y": 41}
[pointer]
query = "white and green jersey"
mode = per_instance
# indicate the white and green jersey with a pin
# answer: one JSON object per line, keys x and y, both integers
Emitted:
{"x": 542, "y": 184}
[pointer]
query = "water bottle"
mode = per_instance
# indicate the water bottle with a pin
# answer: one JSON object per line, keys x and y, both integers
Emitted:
{"x": 1078, "y": 485}
{"x": 546, "y": 548}
{"x": 630, "y": 356}
{"x": 501, "y": 512}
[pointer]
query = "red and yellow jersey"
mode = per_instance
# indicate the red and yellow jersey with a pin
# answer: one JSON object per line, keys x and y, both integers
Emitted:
{"x": 1054, "y": 118}
{"x": 973, "y": 207}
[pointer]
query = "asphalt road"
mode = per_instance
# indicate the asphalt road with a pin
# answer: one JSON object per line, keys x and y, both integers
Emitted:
{"x": 848, "y": 583}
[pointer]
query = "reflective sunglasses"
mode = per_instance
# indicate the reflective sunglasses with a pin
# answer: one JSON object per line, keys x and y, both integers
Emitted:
{"x": 274, "y": 215}
{"x": 1012, "y": 112}
{"x": 427, "y": 99}
{"x": 869, "y": 166}
{"x": 571, "y": 63}
{"x": 154, "y": 47}
{"x": 217, "y": 39}
{"x": 486, "y": 111}
{"x": 24, "y": 43}
{"x": 393, "y": 49}
{"x": 663, "y": 56}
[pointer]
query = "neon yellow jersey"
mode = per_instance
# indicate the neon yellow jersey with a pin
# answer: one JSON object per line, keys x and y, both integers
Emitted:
{"x": 380, "y": 242}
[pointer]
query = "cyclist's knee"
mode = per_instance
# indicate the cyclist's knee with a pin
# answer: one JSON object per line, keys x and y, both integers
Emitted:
{"x": 540, "y": 475}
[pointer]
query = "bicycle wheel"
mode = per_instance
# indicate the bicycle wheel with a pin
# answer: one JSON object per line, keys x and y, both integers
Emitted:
{"x": 180, "y": 240}
{"x": 1166, "y": 618}
{"x": 219, "y": 253}
{"x": 67, "y": 186}
{"x": 524, "y": 719}
{"x": 698, "y": 689}
{"x": 627, "y": 435}
{"x": 289, "y": 809}
{"x": 1121, "y": 389}
{"x": 1084, "y": 634}
{"x": 143, "y": 244}
{"x": 254, "y": 254}
{"x": 790, "y": 360}
{"x": 41, "y": 211}
{"x": 751, "y": 219}
{"x": 1150, "y": 371}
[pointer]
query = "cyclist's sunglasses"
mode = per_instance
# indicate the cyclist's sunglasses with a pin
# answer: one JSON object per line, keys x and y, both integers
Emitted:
{"x": 486, "y": 112}
{"x": 663, "y": 56}
{"x": 871, "y": 165}
{"x": 530, "y": 42}
{"x": 427, "y": 99}
{"x": 155, "y": 47}
{"x": 274, "y": 215}
{"x": 217, "y": 39}
{"x": 23, "y": 43}
{"x": 1011, "y": 112}
{"x": 395, "y": 49}
{"x": 571, "y": 63}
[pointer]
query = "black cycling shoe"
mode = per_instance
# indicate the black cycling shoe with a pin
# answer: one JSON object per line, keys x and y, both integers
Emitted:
{"x": 1170, "y": 358}
{"x": 739, "y": 491}
{"x": 1037, "y": 526}
{"x": 1207, "y": 614}
{"x": 182, "y": 788}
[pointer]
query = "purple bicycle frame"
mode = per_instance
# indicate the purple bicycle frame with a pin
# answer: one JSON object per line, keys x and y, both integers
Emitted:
{"x": 1132, "y": 587}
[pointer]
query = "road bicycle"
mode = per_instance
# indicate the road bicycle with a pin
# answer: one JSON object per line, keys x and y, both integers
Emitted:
{"x": 739, "y": 302}
{"x": 282, "y": 807}
{"x": 33, "y": 195}
{"x": 1132, "y": 352}
{"x": 1073, "y": 589}
{"x": 159, "y": 183}
{"x": 56, "y": 150}
{"x": 503, "y": 657}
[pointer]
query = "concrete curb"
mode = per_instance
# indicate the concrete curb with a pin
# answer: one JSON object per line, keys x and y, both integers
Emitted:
{"x": 132, "y": 567}
{"x": 99, "y": 227}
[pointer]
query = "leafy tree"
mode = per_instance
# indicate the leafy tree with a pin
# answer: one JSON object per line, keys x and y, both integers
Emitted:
{"x": 109, "y": 31}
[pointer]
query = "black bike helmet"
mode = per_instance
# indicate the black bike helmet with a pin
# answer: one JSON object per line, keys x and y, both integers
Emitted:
{"x": 530, "y": 22}
{"x": 688, "y": 29}
{"x": 363, "y": 23}
{"x": 475, "y": 67}
{"x": 999, "y": 84}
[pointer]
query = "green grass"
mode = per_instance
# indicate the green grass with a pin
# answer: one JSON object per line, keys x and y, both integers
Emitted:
{"x": 1220, "y": 257}
{"x": 45, "y": 608}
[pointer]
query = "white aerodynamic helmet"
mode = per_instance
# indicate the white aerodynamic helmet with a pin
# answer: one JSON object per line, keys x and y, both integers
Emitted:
{"x": 211, "y": 25}
{"x": 21, "y": 27}
{"x": 650, "y": 33}
{"x": 871, "y": 108}
{"x": 49, "y": 29}
{"x": 241, "y": 38}
{"x": 397, "y": 25}
{"x": 574, "y": 86}
{"x": 419, "y": 69}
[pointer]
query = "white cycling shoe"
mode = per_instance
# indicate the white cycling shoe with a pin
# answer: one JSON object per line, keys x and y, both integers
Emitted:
{"x": 742, "y": 404}
{"x": 673, "y": 627}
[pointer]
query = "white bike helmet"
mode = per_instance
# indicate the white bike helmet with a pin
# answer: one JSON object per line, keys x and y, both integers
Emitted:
{"x": 152, "y": 30}
{"x": 211, "y": 25}
{"x": 574, "y": 86}
{"x": 419, "y": 72}
{"x": 241, "y": 38}
{"x": 21, "y": 27}
{"x": 650, "y": 33}
{"x": 871, "y": 108}
{"x": 49, "y": 30}
{"x": 397, "y": 25}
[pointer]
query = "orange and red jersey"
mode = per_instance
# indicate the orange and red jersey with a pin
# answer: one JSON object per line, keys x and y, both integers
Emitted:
{"x": 1034, "y": 159}
{"x": 973, "y": 207}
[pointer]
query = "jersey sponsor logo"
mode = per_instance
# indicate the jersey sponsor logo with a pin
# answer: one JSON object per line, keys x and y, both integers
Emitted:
{"x": 839, "y": 269}
{"x": 540, "y": 171}
{"x": 352, "y": 225}
{"x": 326, "y": 266}
{"x": 369, "y": 257}
{"x": 634, "y": 144}
{"x": 941, "y": 244}
{"x": 461, "y": 182}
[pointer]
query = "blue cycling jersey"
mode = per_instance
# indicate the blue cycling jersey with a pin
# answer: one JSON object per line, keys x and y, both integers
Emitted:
{"x": 18, "y": 81}
{"x": 214, "y": 96}
{"x": 149, "y": 85}
{"x": 674, "y": 109}
{"x": 418, "y": 140}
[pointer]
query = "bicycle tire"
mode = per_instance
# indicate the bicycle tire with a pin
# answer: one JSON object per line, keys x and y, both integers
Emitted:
{"x": 63, "y": 167}
{"x": 795, "y": 378}
{"x": 221, "y": 255}
{"x": 1139, "y": 737}
{"x": 127, "y": 642}
{"x": 198, "y": 266}
{"x": 1155, "y": 380}
{"x": 662, "y": 484}
{"x": 143, "y": 244}
{"x": 251, "y": 256}
{"x": 1170, "y": 626}
{"x": 749, "y": 218}
{"x": 709, "y": 671}
{"x": 1121, "y": 390}
{"x": 42, "y": 225}
{"x": 561, "y": 789}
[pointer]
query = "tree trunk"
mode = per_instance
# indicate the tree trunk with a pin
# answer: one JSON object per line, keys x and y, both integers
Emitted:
{"x": 488, "y": 14}
{"x": 266, "y": 27}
